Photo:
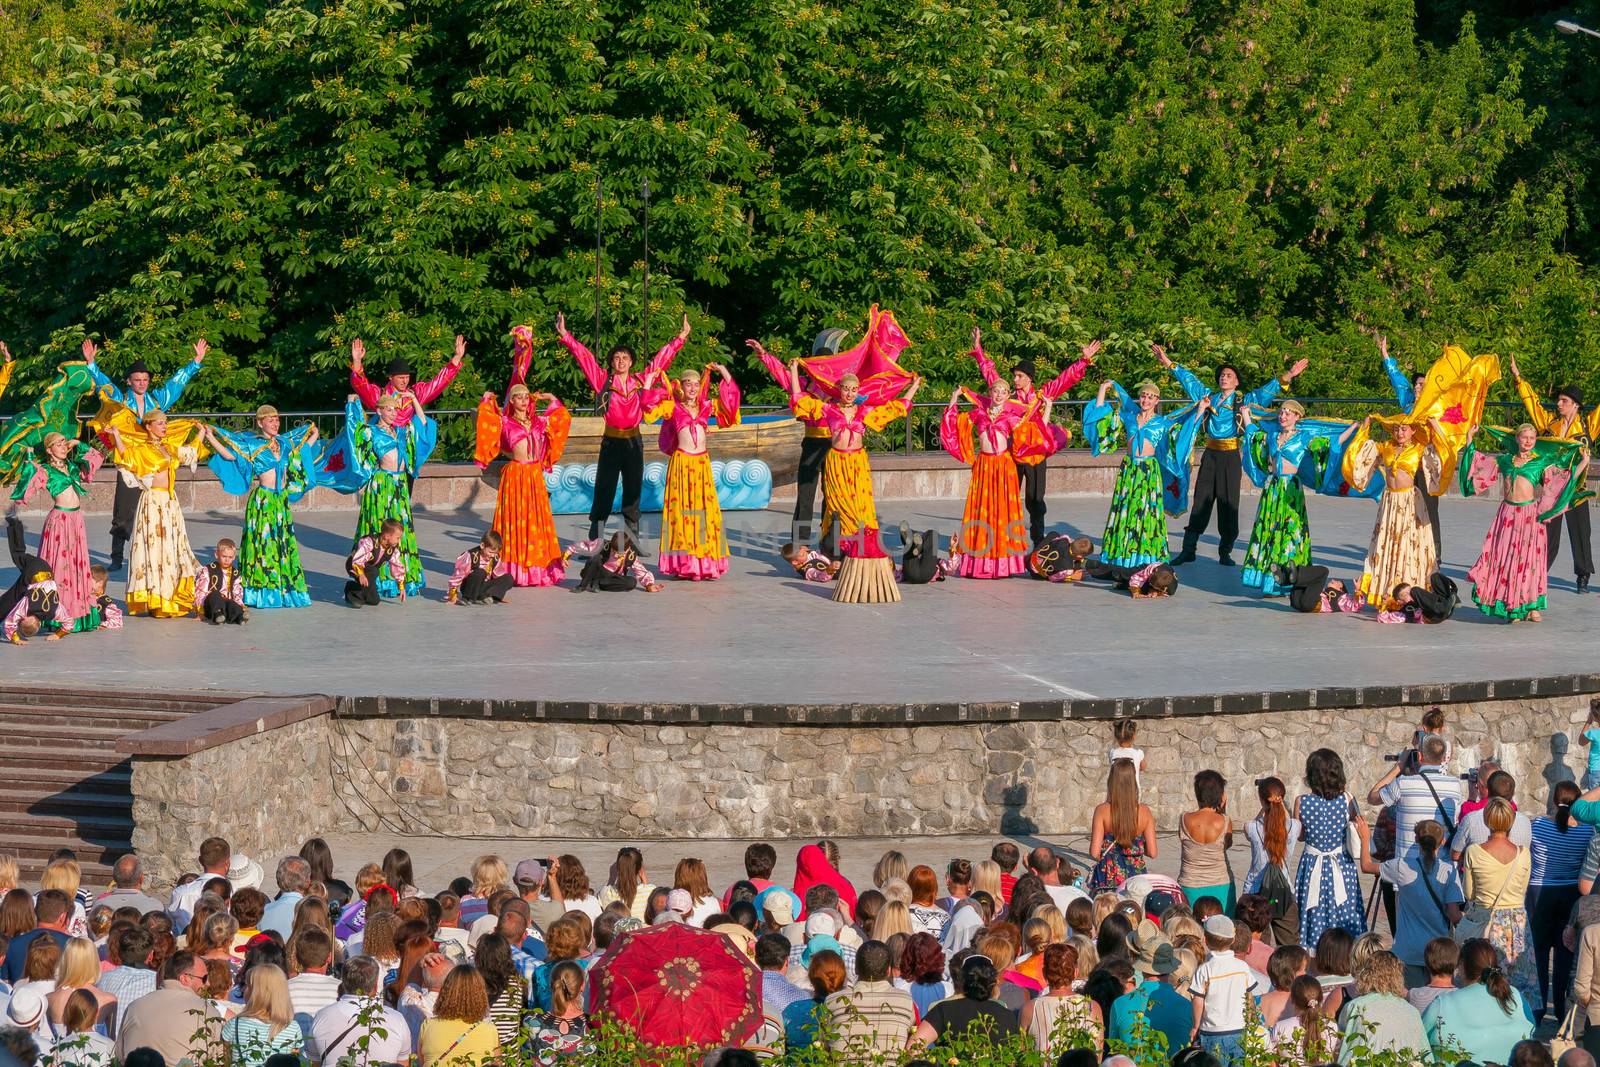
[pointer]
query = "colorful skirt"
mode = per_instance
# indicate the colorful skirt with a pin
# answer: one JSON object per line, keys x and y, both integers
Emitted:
{"x": 522, "y": 519}
{"x": 1508, "y": 581}
{"x": 1402, "y": 547}
{"x": 1136, "y": 528}
{"x": 693, "y": 544}
{"x": 847, "y": 496}
{"x": 161, "y": 565}
{"x": 269, "y": 558}
{"x": 1281, "y": 536}
{"x": 386, "y": 496}
{"x": 1507, "y": 931}
{"x": 1117, "y": 865}
{"x": 994, "y": 537}
{"x": 64, "y": 545}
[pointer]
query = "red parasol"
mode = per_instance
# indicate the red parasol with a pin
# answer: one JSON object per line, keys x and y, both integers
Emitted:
{"x": 872, "y": 360}
{"x": 678, "y": 985}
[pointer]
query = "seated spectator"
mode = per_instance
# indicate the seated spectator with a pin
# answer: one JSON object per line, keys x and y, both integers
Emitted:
{"x": 53, "y": 915}
{"x": 804, "y": 1018}
{"x": 1158, "y": 1000}
{"x": 76, "y": 1043}
{"x": 975, "y": 1014}
{"x": 127, "y": 887}
{"x": 1058, "y": 1010}
{"x": 418, "y": 998}
{"x": 358, "y": 1029}
{"x": 1378, "y": 1019}
{"x": 926, "y": 915}
{"x": 562, "y": 1032}
{"x": 1486, "y": 1016}
{"x": 173, "y": 1020}
{"x": 1440, "y": 958}
{"x": 132, "y": 977}
{"x": 1286, "y": 963}
{"x": 872, "y": 1016}
{"x": 79, "y": 968}
{"x": 1303, "y": 1035}
{"x": 266, "y": 1026}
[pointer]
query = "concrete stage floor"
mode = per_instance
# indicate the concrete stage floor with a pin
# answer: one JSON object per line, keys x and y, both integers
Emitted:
{"x": 762, "y": 635}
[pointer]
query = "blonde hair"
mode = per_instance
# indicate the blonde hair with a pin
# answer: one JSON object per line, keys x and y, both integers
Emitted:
{"x": 1499, "y": 816}
{"x": 266, "y": 997}
{"x": 896, "y": 889}
{"x": 1182, "y": 926}
{"x": 219, "y": 933}
{"x": 891, "y": 865}
{"x": 1382, "y": 972}
{"x": 1036, "y": 935}
{"x": 80, "y": 964}
{"x": 1051, "y": 916}
{"x": 1088, "y": 954}
{"x": 1001, "y": 952}
{"x": 1104, "y": 904}
{"x": 1367, "y": 945}
{"x": 62, "y": 874}
{"x": 489, "y": 873}
{"x": 8, "y": 873}
{"x": 895, "y": 918}
{"x": 368, "y": 876}
{"x": 986, "y": 879}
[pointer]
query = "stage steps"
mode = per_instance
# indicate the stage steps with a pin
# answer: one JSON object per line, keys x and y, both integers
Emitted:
{"x": 64, "y": 784}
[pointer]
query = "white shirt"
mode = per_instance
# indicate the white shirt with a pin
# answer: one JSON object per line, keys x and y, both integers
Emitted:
{"x": 1413, "y": 800}
{"x": 181, "y": 906}
{"x": 480, "y": 927}
{"x": 1223, "y": 982}
{"x": 87, "y": 1049}
{"x": 393, "y": 1046}
{"x": 589, "y": 905}
{"x": 1473, "y": 831}
{"x": 309, "y": 994}
{"x": 1134, "y": 754}
{"x": 416, "y": 1004}
{"x": 703, "y": 910}
{"x": 1062, "y": 895}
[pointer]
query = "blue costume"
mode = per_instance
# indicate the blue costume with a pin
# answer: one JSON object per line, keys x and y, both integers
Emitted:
{"x": 1220, "y": 470}
{"x": 1153, "y": 479}
{"x": 269, "y": 555}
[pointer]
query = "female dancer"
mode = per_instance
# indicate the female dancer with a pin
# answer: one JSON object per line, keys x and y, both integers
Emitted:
{"x": 993, "y": 538}
{"x": 1539, "y": 484}
{"x": 846, "y": 474}
{"x": 1154, "y": 474}
{"x": 8, "y": 364}
{"x": 161, "y": 565}
{"x": 67, "y": 468}
{"x": 272, "y": 469}
{"x": 693, "y": 544}
{"x": 1568, "y": 423}
{"x": 371, "y": 459}
{"x": 1281, "y": 464}
{"x": 532, "y": 442}
{"x": 1411, "y": 462}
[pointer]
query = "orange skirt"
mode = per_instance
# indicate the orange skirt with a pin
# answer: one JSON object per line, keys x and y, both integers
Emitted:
{"x": 994, "y": 537}
{"x": 523, "y": 521}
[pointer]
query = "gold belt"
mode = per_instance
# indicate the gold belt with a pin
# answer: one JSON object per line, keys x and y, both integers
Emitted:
{"x": 818, "y": 431}
{"x": 1222, "y": 444}
{"x": 617, "y": 431}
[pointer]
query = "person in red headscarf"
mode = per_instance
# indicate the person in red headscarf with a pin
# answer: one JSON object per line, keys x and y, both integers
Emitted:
{"x": 814, "y": 866}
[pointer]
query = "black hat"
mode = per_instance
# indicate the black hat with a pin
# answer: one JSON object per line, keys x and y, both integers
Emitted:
{"x": 399, "y": 365}
{"x": 138, "y": 366}
{"x": 1025, "y": 365}
{"x": 1572, "y": 393}
{"x": 828, "y": 342}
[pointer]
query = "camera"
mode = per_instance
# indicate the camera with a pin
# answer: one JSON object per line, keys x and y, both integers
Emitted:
{"x": 1471, "y": 777}
{"x": 1410, "y": 760}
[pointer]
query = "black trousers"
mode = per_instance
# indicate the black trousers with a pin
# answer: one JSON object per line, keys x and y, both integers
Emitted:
{"x": 1217, "y": 482}
{"x": 1431, "y": 504}
{"x": 1577, "y": 521}
{"x": 1548, "y": 909}
{"x": 1309, "y": 583}
{"x": 479, "y": 586}
{"x": 362, "y": 594}
{"x": 620, "y": 457}
{"x": 124, "y": 506}
{"x": 217, "y": 606}
{"x": 813, "y": 453}
{"x": 1031, "y": 475}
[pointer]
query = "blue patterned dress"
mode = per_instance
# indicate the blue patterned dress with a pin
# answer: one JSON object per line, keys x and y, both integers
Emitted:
{"x": 1327, "y": 872}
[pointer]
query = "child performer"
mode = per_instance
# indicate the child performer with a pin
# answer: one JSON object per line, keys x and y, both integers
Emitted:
{"x": 30, "y": 604}
{"x": 272, "y": 469}
{"x": 1154, "y": 476}
{"x": 846, "y": 474}
{"x": 219, "y": 588}
{"x": 1060, "y": 558}
{"x": 1282, "y": 460}
{"x": 532, "y": 442}
{"x": 1569, "y": 423}
{"x": 139, "y": 399}
{"x": 810, "y": 563}
{"x": 693, "y": 544}
{"x": 401, "y": 383}
{"x": 1311, "y": 590}
{"x": 991, "y": 523}
{"x": 371, "y": 457}
{"x": 104, "y": 613}
{"x": 615, "y": 568}
{"x": 372, "y": 555}
{"x": 621, "y": 450}
{"x": 161, "y": 565}
{"x": 1149, "y": 582}
{"x": 66, "y": 469}
{"x": 480, "y": 574}
{"x": 1433, "y": 603}
{"x": 1039, "y": 439}
{"x": 1540, "y": 480}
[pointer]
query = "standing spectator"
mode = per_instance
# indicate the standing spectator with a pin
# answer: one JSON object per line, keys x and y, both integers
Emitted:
{"x": 173, "y": 1020}
{"x": 1328, "y": 886}
{"x": 1204, "y": 837}
{"x": 1125, "y": 732}
{"x": 358, "y": 1029}
{"x": 1418, "y": 788}
{"x": 690, "y": 876}
{"x": 777, "y": 992}
{"x": 812, "y": 868}
{"x": 1471, "y": 829}
{"x": 629, "y": 884}
{"x": 1379, "y": 1019}
{"x": 1221, "y": 989}
{"x": 1273, "y": 835}
{"x": 926, "y": 915}
{"x": 312, "y": 988}
{"x": 127, "y": 887}
{"x": 562, "y": 1032}
{"x": 872, "y": 1016}
{"x": 1494, "y": 877}
{"x": 460, "y": 1033}
{"x": 1058, "y": 1008}
{"x": 293, "y": 878}
{"x": 1122, "y": 834}
{"x": 1556, "y": 856}
{"x": 568, "y": 884}
{"x": 54, "y": 911}
{"x": 489, "y": 876}
{"x": 1586, "y": 986}
{"x": 266, "y": 1026}
{"x": 216, "y": 855}
{"x": 973, "y": 1014}
{"x": 1441, "y": 956}
{"x": 759, "y": 861}
{"x": 1486, "y": 1016}
{"x": 1428, "y": 895}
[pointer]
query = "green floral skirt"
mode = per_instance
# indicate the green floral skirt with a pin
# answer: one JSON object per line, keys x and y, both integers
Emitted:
{"x": 269, "y": 557}
{"x": 1281, "y": 536}
{"x": 1136, "y": 528}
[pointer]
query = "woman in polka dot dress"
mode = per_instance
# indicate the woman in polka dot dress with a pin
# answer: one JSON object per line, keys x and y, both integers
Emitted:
{"x": 1328, "y": 885}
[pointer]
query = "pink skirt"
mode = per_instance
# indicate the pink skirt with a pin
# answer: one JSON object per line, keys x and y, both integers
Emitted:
{"x": 1508, "y": 581}
{"x": 64, "y": 545}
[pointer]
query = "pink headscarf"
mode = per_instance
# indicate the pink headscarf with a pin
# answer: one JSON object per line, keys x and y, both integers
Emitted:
{"x": 811, "y": 867}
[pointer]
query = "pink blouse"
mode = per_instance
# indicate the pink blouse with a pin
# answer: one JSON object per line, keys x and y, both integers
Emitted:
{"x": 536, "y": 433}
{"x": 684, "y": 430}
{"x": 626, "y": 395}
{"x": 991, "y": 432}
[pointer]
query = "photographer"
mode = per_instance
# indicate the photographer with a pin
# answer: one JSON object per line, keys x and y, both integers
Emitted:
{"x": 1418, "y": 788}
{"x": 1472, "y": 829}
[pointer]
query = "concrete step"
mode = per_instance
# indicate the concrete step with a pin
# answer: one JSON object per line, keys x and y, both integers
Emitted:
{"x": 108, "y": 827}
{"x": 68, "y": 803}
{"x": 24, "y": 715}
{"x": 60, "y": 736}
{"x": 93, "y": 698}
{"x": 33, "y": 851}
{"x": 16, "y": 761}
{"x": 45, "y": 781}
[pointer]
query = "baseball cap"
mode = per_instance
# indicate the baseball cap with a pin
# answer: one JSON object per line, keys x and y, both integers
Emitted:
{"x": 1219, "y": 926}
{"x": 529, "y": 873}
{"x": 1158, "y": 902}
{"x": 820, "y": 924}
{"x": 680, "y": 900}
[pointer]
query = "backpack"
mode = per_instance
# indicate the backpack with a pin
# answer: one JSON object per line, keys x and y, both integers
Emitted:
{"x": 1276, "y": 888}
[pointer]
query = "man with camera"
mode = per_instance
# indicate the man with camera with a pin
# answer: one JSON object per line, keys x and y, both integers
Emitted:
{"x": 1473, "y": 830}
{"x": 1418, "y": 788}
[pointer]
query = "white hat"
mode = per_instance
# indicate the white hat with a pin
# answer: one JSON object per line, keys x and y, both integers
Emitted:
{"x": 820, "y": 923}
{"x": 26, "y": 1008}
{"x": 1219, "y": 926}
{"x": 244, "y": 872}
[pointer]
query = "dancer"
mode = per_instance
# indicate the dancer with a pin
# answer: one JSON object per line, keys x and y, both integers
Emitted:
{"x": 1432, "y": 604}
{"x": 8, "y": 364}
{"x": 809, "y": 563}
{"x": 817, "y": 440}
{"x": 1282, "y": 463}
{"x": 56, "y": 411}
{"x": 1410, "y": 463}
{"x": 621, "y": 392}
{"x": 64, "y": 473}
{"x": 532, "y": 442}
{"x": 271, "y": 471}
{"x": 1040, "y": 438}
{"x": 401, "y": 383}
{"x": 1220, "y": 467}
{"x": 141, "y": 400}
{"x": 480, "y": 574}
{"x": 846, "y": 474}
{"x": 29, "y": 606}
{"x": 992, "y": 544}
{"x": 149, "y": 450}
{"x": 1312, "y": 591}
{"x": 219, "y": 587}
{"x": 371, "y": 457}
{"x": 1149, "y": 582}
{"x": 615, "y": 568}
{"x": 104, "y": 613}
{"x": 1060, "y": 558}
{"x": 1540, "y": 481}
{"x": 1154, "y": 475}
{"x": 1569, "y": 423}
{"x": 693, "y": 544}
{"x": 376, "y": 558}
{"x": 1406, "y": 388}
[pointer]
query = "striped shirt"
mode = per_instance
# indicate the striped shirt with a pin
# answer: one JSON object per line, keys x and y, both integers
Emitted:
{"x": 1557, "y": 857}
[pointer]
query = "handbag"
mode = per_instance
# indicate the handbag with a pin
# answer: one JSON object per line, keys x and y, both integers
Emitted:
{"x": 1352, "y": 840}
{"x": 1476, "y": 921}
{"x": 1570, "y": 1032}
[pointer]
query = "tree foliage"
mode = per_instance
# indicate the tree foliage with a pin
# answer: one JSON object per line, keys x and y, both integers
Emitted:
{"x": 1252, "y": 181}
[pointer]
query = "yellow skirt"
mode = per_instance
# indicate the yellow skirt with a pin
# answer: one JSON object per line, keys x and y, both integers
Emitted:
{"x": 847, "y": 494}
{"x": 693, "y": 544}
{"x": 1401, "y": 549}
{"x": 994, "y": 539}
{"x": 161, "y": 565}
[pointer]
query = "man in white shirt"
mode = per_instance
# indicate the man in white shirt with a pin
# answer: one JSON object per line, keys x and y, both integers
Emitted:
{"x": 1473, "y": 830}
{"x": 215, "y": 855}
{"x": 416, "y": 1002}
{"x": 337, "y": 1031}
{"x": 294, "y": 878}
{"x": 127, "y": 879}
{"x": 312, "y": 988}
{"x": 1044, "y": 862}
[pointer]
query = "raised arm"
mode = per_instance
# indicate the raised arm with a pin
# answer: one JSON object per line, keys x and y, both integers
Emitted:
{"x": 775, "y": 366}
{"x": 985, "y": 364}
{"x": 366, "y": 393}
{"x": 1538, "y": 414}
{"x": 215, "y": 441}
{"x": 1405, "y": 393}
{"x": 429, "y": 390}
{"x": 1192, "y": 387}
{"x": 663, "y": 358}
{"x": 166, "y": 395}
{"x": 1073, "y": 374}
{"x": 586, "y": 361}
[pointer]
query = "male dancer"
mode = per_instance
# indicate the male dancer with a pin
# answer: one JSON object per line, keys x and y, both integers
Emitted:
{"x": 140, "y": 399}
{"x": 1567, "y": 424}
{"x": 30, "y": 604}
{"x": 400, "y": 376}
{"x": 1220, "y": 469}
{"x": 1031, "y": 468}
{"x": 1405, "y": 394}
{"x": 814, "y": 445}
{"x": 621, "y": 394}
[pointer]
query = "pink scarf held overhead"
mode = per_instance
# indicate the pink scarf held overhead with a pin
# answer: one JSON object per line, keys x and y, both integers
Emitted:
{"x": 811, "y": 867}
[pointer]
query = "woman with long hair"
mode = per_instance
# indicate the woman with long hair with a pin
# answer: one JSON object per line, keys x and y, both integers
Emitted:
{"x": 993, "y": 536}
{"x": 77, "y": 1044}
{"x": 894, "y": 918}
{"x": 313, "y": 913}
{"x": 1122, "y": 834}
{"x": 693, "y": 544}
{"x": 17, "y": 916}
{"x": 1328, "y": 885}
{"x": 266, "y": 1026}
{"x": 1411, "y": 460}
{"x": 489, "y": 875}
{"x": 690, "y": 876}
{"x": 1485, "y": 1016}
{"x": 1304, "y": 1036}
{"x": 506, "y": 990}
{"x": 79, "y": 969}
{"x": 568, "y": 886}
{"x": 1058, "y": 1011}
{"x": 397, "y": 873}
{"x": 1204, "y": 837}
{"x": 63, "y": 469}
{"x": 1556, "y": 854}
{"x": 891, "y": 865}
{"x": 1494, "y": 878}
{"x": 319, "y": 856}
{"x": 629, "y": 884}
{"x": 1273, "y": 835}
{"x": 564, "y": 939}
{"x": 562, "y": 1032}
{"x": 415, "y": 945}
{"x": 459, "y": 1033}
{"x": 804, "y": 1018}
